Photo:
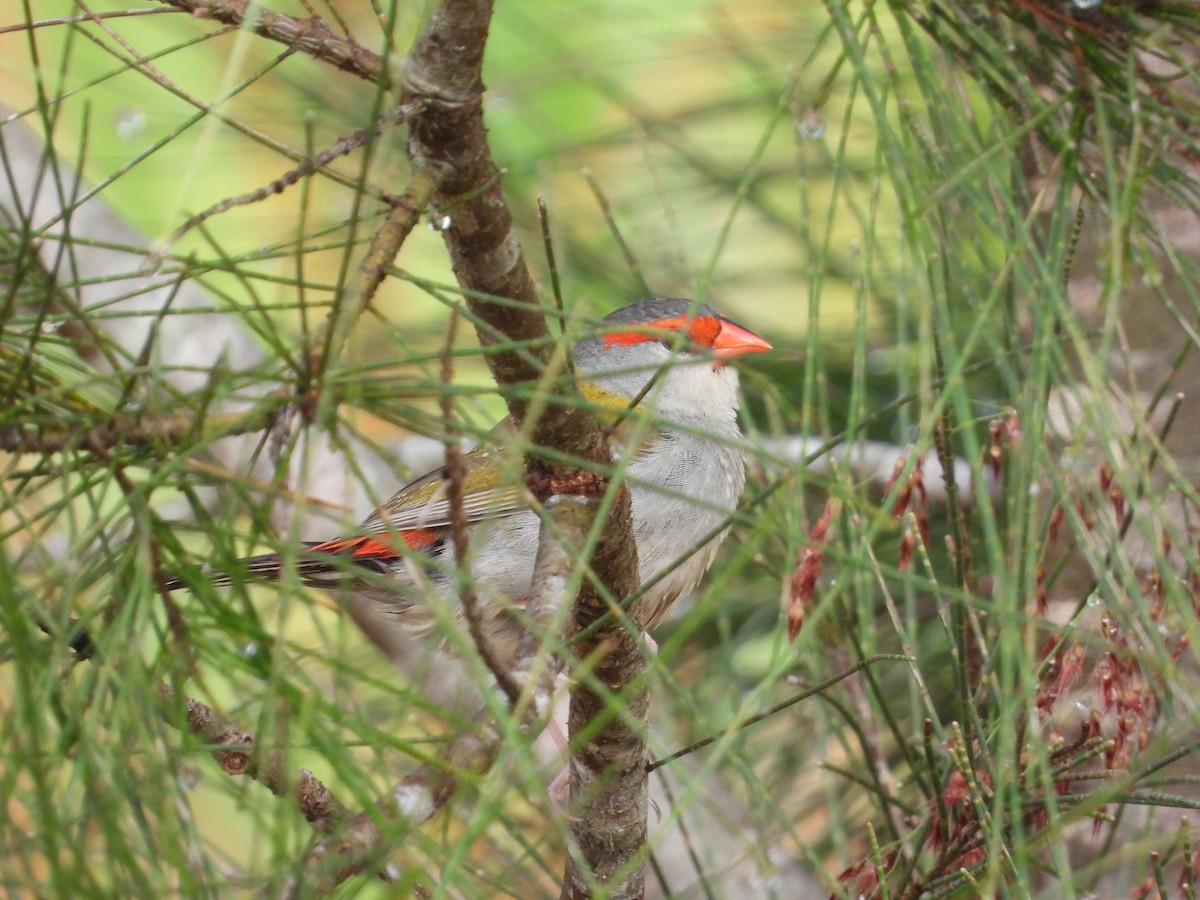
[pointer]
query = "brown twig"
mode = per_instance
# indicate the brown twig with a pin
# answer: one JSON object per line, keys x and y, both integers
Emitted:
{"x": 123, "y": 431}
{"x": 385, "y": 244}
{"x": 306, "y": 167}
{"x": 74, "y": 20}
{"x": 311, "y": 36}
{"x": 234, "y": 750}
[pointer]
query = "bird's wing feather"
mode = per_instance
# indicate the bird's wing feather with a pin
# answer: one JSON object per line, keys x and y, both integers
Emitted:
{"x": 488, "y": 492}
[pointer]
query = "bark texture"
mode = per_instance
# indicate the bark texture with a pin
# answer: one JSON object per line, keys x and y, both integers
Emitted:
{"x": 442, "y": 83}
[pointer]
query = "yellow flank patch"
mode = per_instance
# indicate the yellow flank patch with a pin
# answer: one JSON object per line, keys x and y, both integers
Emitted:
{"x": 600, "y": 397}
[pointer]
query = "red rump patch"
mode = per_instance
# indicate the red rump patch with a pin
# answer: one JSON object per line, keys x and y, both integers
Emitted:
{"x": 702, "y": 330}
{"x": 377, "y": 549}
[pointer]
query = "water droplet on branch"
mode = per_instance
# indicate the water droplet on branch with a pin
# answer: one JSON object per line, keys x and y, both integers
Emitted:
{"x": 812, "y": 126}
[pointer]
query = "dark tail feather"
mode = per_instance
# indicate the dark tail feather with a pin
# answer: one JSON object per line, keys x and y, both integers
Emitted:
{"x": 256, "y": 567}
{"x": 310, "y": 567}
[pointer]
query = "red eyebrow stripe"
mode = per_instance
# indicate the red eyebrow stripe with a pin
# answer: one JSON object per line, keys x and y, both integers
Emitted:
{"x": 376, "y": 549}
{"x": 702, "y": 330}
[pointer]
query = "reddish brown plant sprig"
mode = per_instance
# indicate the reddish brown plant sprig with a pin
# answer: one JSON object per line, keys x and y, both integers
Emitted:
{"x": 1059, "y": 672}
{"x": 957, "y": 836}
{"x": 862, "y": 878}
{"x": 1005, "y": 432}
{"x": 901, "y": 503}
{"x": 961, "y": 813}
{"x": 804, "y": 577}
{"x": 1085, "y": 515}
{"x": 1041, "y": 602}
{"x": 908, "y": 547}
{"x": 1125, "y": 708}
{"x": 956, "y": 839}
{"x": 1056, "y": 520}
{"x": 1089, "y": 507}
{"x": 1147, "y": 887}
{"x": 1113, "y": 491}
{"x": 912, "y": 496}
{"x": 1193, "y": 581}
{"x": 911, "y": 499}
{"x": 1128, "y": 703}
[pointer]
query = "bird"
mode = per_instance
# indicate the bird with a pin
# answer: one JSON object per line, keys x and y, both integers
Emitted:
{"x": 679, "y": 446}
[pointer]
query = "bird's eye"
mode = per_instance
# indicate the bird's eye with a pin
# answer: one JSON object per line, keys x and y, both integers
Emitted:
{"x": 702, "y": 333}
{"x": 675, "y": 345}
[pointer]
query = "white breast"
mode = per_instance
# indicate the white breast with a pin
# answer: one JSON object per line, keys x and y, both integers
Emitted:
{"x": 690, "y": 486}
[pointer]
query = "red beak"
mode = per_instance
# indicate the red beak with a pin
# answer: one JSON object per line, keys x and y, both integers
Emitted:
{"x": 734, "y": 340}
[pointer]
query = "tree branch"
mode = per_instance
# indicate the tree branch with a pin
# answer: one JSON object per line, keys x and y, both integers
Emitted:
{"x": 311, "y": 36}
{"x": 385, "y": 244}
{"x": 125, "y": 431}
{"x": 234, "y": 750}
{"x": 442, "y": 80}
